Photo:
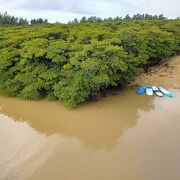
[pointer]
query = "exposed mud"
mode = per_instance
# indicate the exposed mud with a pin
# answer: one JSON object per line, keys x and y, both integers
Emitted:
{"x": 167, "y": 75}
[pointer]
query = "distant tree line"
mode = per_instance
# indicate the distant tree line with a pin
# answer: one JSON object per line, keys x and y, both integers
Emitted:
{"x": 39, "y": 21}
{"x": 6, "y": 19}
{"x": 126, "y": 18}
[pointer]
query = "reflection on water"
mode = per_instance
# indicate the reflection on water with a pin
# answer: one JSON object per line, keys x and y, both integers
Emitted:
{"x": 127, "y": 137}
{"x": 96, "y": 124}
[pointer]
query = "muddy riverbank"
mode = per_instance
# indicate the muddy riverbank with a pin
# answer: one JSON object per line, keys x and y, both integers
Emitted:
{"x": 167, "y": 75}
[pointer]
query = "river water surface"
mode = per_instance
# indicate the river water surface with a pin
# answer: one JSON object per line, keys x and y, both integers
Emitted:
{"x": 122, "y": 137}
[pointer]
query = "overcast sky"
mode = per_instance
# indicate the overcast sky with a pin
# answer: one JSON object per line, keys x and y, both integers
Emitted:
{"x": 65, "y": 10}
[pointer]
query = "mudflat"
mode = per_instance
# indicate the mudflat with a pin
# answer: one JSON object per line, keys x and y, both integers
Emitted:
{"x": 167, "y": 75}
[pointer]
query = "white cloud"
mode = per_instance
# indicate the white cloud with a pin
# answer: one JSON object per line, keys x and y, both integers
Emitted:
{"x": 64, "y": 10}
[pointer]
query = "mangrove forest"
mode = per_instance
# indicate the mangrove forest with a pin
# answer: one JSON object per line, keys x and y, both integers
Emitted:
{"x": 76, "y": 62}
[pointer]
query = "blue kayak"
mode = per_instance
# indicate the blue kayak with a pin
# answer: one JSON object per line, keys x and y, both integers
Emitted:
{"x": 165, "y": 92}
{"x": 141, "y": 90}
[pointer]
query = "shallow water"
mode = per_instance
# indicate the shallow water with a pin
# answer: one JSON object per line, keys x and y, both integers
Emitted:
{"x": 123, "y": 137}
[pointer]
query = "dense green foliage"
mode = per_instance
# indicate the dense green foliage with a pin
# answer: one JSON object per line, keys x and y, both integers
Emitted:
{"x": 76, "y": 62}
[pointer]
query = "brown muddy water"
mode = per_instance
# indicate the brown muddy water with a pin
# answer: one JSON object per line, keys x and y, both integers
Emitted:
{"x": 123, "y": 137}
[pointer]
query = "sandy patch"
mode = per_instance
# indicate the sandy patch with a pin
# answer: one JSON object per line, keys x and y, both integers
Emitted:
{"x": 166, "y": 75}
